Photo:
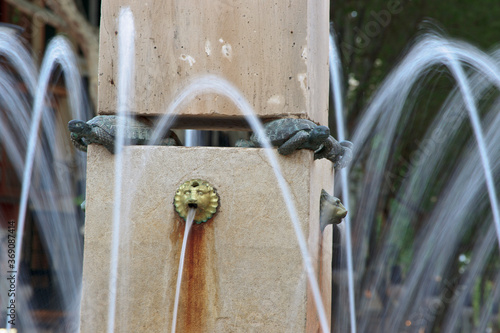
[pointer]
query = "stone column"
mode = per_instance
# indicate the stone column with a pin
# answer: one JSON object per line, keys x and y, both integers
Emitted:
{"x": 275, "y": 52}
{"x": 243, "y": 269}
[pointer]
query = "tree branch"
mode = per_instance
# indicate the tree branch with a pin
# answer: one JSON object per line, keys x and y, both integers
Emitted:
{"x": 40, "y": 13}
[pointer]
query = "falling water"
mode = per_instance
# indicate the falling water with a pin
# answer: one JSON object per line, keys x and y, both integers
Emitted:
{"x": 59, "y": 53}
{"x": 126, "y": 51}
{"x": 447, "y": 222}
{"x": 19, "y": 57}
{"x": 214, "y": 84}
{"x": 445, "y": 227}
{"x": 187, "y": 229}
{"x": 478, "y": 132}
{"x": 335, "y": 86}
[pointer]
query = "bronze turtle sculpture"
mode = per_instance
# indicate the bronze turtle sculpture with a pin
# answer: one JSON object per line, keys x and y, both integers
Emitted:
{"x": 290, "y": 134}
{"x": 103, "y": 129}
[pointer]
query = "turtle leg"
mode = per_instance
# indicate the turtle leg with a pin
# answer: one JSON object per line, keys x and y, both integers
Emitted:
{"x": 335, "y": 151}
{"x": 109, "y": 147}
{"x": 103, "y": 138}
{"x": 345, "y": 157}
{"x": 295, "y": 142}
{"x": 79, "y": 144}
{"x": 328, "y": 148}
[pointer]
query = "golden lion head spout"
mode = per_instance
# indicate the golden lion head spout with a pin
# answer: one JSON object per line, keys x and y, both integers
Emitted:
{"x": 197, "y": 194}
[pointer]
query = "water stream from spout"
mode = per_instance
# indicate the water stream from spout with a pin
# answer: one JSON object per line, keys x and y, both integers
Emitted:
{"x": 336, "y": 83}
{"x": 126, "y": 50}
{"x": 187, "y": 229}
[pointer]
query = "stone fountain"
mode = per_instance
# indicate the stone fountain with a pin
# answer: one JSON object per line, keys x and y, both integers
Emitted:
{"x": 244, "y": 269}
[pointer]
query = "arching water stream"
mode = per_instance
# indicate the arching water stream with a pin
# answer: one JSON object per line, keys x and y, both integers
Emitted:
{"x": 187, "y": 229}
{"x": 67, "y": 252}
{"x": 408, "y": 305}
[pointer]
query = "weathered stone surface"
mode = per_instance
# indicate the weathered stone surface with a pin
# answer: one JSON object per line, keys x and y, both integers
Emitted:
{"x": 243, "y": 269}
{"x": 275, "y": 52}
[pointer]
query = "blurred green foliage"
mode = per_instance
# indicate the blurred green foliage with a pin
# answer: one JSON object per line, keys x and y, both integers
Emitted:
{"x": 373, "y": 36}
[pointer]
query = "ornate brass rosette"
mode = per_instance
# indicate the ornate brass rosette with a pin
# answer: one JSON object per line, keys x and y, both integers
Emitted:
{"x": 198, "y": 194}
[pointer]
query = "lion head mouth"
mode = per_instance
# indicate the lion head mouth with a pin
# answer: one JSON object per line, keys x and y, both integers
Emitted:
{"x": 199, "y": 195}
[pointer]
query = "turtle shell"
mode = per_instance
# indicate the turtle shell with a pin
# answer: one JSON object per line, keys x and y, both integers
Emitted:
{"x": 135, "y": 130}
{"x": 280, "y": 130}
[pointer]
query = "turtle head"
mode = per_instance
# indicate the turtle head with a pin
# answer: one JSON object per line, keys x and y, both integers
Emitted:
{"x": 332, "y": 211}
{"x": 79, "y": 128}
{"x": 320, "y": 134}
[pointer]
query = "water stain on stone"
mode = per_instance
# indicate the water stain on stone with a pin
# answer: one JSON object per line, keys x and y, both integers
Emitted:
{"x": 198, "y": 295}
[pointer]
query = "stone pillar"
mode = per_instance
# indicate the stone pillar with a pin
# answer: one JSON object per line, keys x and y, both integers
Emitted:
{"x": 275, "y": 52}
{"x": 243, "y": 268}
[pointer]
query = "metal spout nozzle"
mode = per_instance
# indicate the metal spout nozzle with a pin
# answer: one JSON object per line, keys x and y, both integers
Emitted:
{"x": 198, "y": 194}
